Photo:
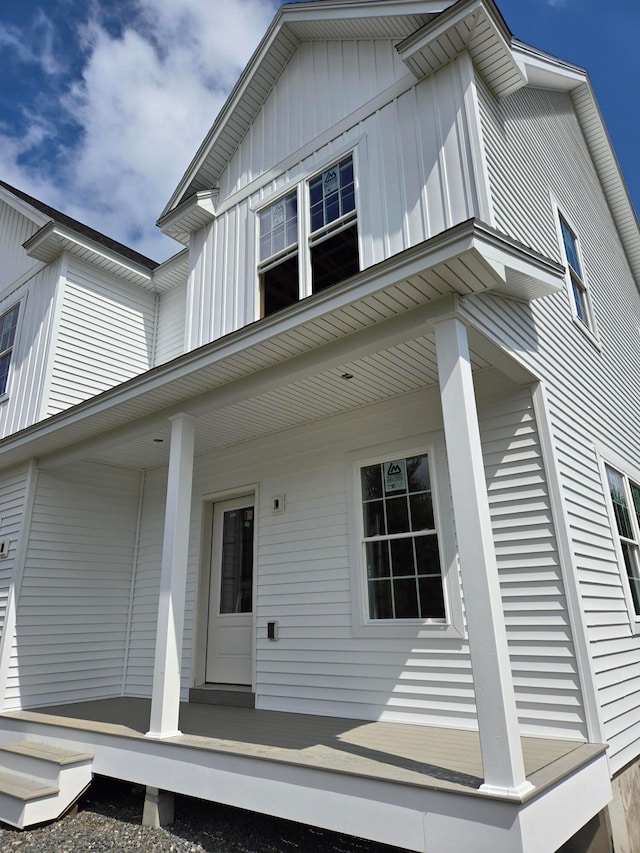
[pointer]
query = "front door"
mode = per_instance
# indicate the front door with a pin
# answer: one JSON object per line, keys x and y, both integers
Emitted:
{"x": 230, "y": 630}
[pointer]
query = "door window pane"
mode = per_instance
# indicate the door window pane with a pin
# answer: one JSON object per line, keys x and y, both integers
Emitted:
{"x": 236, "y": 584}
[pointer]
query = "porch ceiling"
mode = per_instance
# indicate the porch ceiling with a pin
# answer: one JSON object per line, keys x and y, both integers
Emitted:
{"x": 391, "y": 372}
{"x": 286, "y": 369}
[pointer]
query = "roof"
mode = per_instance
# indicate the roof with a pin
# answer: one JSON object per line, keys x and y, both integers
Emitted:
{"x": 80, "y": 228}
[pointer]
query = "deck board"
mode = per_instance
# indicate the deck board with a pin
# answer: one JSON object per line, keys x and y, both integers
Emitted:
{"x": 425, "y": 756}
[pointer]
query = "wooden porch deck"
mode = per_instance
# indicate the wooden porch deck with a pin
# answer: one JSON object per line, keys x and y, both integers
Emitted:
{"x": 434, "y": 758}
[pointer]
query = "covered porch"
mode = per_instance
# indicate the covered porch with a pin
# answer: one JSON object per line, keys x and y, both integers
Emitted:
{"x": 111, "y": 618}
{"x": 407, "y": 785}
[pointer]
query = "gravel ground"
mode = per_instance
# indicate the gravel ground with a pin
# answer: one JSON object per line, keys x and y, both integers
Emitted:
{"x": 109, "y": 819}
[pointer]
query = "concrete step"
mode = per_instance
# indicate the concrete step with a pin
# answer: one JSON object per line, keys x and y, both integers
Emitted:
{"x": 39, "y": 782}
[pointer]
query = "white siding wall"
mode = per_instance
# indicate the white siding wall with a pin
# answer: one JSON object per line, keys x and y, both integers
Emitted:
{"x": 171, "y": 319}
{"x": 74, "y": 602}
{"x": 304, "y": 577}
{"x": 32, "y": 347}
{"x": 535, "y": 147}
{"x": 12, "y": 497}
{"x": 414, "y": 170}
{"x": 105, "y": 335}
{"x": 15, "y": 229}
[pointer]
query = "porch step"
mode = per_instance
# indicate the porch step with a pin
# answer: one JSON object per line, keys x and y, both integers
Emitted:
{"x": 233, "y": 695}
{"x": 38, "y": 781}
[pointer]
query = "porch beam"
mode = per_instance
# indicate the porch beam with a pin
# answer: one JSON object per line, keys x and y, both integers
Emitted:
{"x": 502, "y": 759}
{"x": 165, "y": 701}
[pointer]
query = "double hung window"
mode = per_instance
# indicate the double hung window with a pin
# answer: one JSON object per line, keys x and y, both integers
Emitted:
{"x": 625, "y": 500}
{"x": 579, "y": 293}
{"x": 8, "y": 324}
{"x": 305, "y": 248}
{"x": 400, "y": 541}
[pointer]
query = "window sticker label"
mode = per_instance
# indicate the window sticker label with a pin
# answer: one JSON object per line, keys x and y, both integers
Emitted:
{"x": 395, "y": 476}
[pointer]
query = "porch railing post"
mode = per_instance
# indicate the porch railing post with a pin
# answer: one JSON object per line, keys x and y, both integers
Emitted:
{"x": 500, "y": 744}
{"x": 165, "y": 701}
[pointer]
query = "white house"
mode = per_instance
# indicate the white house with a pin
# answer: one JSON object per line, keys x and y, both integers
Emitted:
{"x": 335, "y": 515}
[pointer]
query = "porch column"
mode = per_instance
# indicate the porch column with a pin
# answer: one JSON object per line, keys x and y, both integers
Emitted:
{"x": 165, "y": 701}
{"x": 502, "y": 760}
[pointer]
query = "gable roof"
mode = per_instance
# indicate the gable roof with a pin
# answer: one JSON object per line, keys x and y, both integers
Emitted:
{"x": 79, "y": 228}
{"x": 293, "y": 23}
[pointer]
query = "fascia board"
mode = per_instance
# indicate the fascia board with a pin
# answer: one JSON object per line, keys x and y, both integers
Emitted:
{"x": 53, "y": 239}
{"x": 23, "y": 208}
{"x": 545, "y": 71}
{"x": 473, "y": 25}
{"x": 191, "y": 214}
{"x": 470, "y": 238}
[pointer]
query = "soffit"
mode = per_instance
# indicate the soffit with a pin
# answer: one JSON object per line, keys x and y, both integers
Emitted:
{"x": 313, "y": 336}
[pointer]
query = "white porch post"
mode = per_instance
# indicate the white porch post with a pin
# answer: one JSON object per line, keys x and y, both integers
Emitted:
{"x": 495, "y": 700}
{"x": 165, "y": 701}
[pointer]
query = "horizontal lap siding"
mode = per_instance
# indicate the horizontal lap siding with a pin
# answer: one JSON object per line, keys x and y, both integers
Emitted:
{"x": 12, "y": 497}
{"x": 305, "y": 581}
{"x": 105, "y": 336}
{"x": 535, "y": 148}
{"x": 541, "y": 650}
{"x": 414, "y": 172}
{"x": 171, "y": 324}
{"x": 74, "y": 601}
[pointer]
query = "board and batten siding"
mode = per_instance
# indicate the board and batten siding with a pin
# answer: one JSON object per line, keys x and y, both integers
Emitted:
{"x": 535, "y": 150}
{"x": 414, "y": 170}
{"x": 15, "y": 229}
{"x": 32, "y": 348}
{"x": 304, "y": 574}
{"x": 13, "y": 487}
{"x": 105, "y": 335}
{"x": 170, "y": 330}
{"x": 73, "y": 613}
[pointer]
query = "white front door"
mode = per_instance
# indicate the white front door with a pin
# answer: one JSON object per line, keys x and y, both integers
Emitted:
{"x": 230, "y": 630}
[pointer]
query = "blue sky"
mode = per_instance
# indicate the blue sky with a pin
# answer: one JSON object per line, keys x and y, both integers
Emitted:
{"x": 104, "y": 102}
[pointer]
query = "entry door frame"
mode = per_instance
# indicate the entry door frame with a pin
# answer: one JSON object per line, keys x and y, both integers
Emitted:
{"x": 203, "y": 587}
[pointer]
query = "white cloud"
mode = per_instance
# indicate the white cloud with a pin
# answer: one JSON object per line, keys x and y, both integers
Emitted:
{"x": 143, "y": 104}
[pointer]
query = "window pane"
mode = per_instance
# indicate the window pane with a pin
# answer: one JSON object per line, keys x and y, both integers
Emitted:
{"x": 421, "y": 512}
{"x": 374, "y": 524}
{"x": 580, "y": 300}
{"x": 397, "y": 515}
{"x": 335, "y": 259}
{"x": 278, "y": 226}
{"x": 395, "y": 476}
{"x": 4, "y": 372}
{"x": 570, "y": 247}
{"x": 630, "y": 553}
{"x": 402, "y": 558}
{"x": 427, "y": 555}
{"x": 418, "y": 473}
{"x": 431, "y": 598}
{"x": 380, "y": 604}
{"x": 378, "y": 559}
{"x": 405, "y": 593}
{"x": 619, "y": 501}
{"x": 280, "y": 286}
{"x": 237, "y": 561}
{"x": 8, "y": 324}
{"x": 635, "y": 497}
{"x": 332, "y": 194}
{"x": 371, "y": 478}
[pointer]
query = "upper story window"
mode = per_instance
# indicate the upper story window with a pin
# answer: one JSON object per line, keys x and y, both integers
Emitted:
{"x": 579, "y": 293}
{"x": 8, "y": 324}
{"x": 307, "y": 248}
{"x": 400, "y": 541}
{"x": 625, "y": 500}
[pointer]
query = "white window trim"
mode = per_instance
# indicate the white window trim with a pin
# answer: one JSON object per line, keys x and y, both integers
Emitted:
{"x": 305, "y": 241}
{"x": 20, "y": 303}
{"x": 362, "y": 625}
{"x": 590, "y": 328}
{"x": 607, "y": 458}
